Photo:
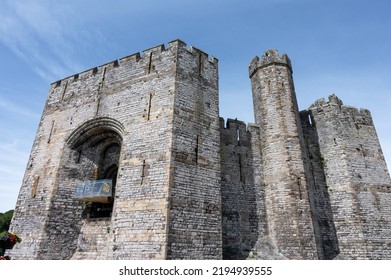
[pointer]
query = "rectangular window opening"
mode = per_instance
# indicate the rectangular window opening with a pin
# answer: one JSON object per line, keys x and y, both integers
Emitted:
{"x": 241, "y": 177}
{"x": 149, "y": 106}
{"x": 199, "y": 64}
{"x": 197, "y": 148}
{"x": 150, "y": 63}
{"x": 78, "y": 156}
{"x": 310, "y": 120}
{"x": 51, "y": 131}
{"x": 143, "y": 172}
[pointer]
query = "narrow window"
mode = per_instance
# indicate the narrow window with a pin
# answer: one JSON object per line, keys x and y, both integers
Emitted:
{"x": 149, "y": 106}
{"x": 102, "y": 82}
{"x": 34, "y": 187}
{"x": 197, "y": 148}
{"x": 78, "y": 156}
{"x": 150, "y": 63}
{"x": 63, "y": 92}
{"x": 310, "y": 120}
{"x": 104, "y": 74}
{"x": 143, "y": 172}
{"x": 51, "y": 131}
{"x": 199, "y": 64}
{"x": 241, "y": 177}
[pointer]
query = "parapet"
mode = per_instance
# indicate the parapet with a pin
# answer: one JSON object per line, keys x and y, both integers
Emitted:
{"x": 236, "y": 132}
{"x": 361, "y": 116}
{"x": 333, "y": 100}
{"x": 269, "y": 57}
{"x": 232, "y": 123}
{"x": 136, "y": 57}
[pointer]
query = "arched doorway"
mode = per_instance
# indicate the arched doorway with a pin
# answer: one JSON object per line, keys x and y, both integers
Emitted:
{"x": 96, "y": 146}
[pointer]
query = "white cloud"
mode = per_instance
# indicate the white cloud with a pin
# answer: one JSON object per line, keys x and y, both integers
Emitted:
{"x": 45, "y": 34}
{"x": 12, "y": 108}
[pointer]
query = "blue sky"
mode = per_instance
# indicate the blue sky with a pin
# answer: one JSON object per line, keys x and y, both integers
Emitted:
{"x": 336, "y": 46}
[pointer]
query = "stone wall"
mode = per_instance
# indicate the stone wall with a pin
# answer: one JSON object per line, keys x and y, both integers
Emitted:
{"x": 130, "y": 100}
{"x": 243, "y": 212}
{"x": 322, "y": 213}
{"x": 357, "y": 179}
{"x": 195, "y": 196}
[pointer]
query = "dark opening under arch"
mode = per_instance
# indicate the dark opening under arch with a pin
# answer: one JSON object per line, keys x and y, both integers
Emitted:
{"x": 97, "y": 146}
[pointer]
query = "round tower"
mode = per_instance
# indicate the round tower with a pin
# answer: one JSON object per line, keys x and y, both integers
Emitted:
{"x": 283, "y": 158}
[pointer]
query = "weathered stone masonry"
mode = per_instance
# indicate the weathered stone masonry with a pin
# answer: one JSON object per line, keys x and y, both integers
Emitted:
{"x": 186, "y": 185}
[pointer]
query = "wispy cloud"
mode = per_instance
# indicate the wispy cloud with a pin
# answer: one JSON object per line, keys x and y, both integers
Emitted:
{"x": 46, "y": 34}
{"x": 7, "y": 106}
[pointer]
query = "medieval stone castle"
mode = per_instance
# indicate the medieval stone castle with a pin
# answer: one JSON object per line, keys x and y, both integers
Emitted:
{"x": 132, "y": 161}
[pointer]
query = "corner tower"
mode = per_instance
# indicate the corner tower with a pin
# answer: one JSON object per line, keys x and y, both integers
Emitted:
{"x": 357, "y": 179}
{"x": 283, "y": 160}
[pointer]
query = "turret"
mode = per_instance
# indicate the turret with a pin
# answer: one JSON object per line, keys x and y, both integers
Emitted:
{"x": 283, "y": 165}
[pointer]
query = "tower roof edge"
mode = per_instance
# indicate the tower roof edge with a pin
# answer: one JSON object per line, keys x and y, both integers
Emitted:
{"x": 269, "y": 57}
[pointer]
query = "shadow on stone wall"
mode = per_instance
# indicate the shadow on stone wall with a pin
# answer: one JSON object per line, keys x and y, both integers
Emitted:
{"x": 322, "y": 212}
{"x": 240, "y": 219}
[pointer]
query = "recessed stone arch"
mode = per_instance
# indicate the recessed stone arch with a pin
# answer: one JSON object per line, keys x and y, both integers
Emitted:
{"x": 96, "y": 145}
{"x": 94, "y": 127}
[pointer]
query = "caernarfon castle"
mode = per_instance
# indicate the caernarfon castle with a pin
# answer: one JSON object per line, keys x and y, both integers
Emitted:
{"x": 132, "y": 161}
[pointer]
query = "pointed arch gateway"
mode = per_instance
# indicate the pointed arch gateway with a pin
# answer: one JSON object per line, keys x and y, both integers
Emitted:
{"x": 96, "y": 145}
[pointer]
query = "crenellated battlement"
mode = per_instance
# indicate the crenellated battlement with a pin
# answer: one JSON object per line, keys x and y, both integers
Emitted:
{"x": 201, "y": 53}
{"x": 235, "y": 124}
{"x": 270, "y": 57}
{"x": 237, "y": 132}
{"x": 153, "y": 53}
{"x": 359, "y": 115}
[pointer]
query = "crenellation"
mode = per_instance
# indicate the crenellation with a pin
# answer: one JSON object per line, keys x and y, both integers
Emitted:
{"x": 157, "y": 50}
{"x": 202, "y": 54}
{"x": 183, "y": 183}
{"x": 359, "y": 116}
{"x": 133, "y": 58}
{"x": 270, "y": 57}
{"x": 111, "y": 64}
{"x": 333, "y": 99}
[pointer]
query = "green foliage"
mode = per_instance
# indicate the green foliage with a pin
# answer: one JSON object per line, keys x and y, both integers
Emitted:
{"x": 5, "y": 220}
